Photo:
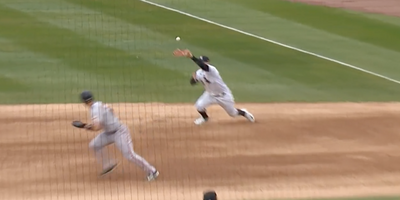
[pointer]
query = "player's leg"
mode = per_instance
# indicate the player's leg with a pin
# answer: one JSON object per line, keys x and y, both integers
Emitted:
{"x": 227, "y": 102}
{"x": 123, "y": 142}
{"x": 201, "y": 105}
{"x": 102, "y": 156}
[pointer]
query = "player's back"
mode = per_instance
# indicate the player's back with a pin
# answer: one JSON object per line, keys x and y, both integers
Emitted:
{"x": 212, "y": 81}
{"x": 105, "y": 116}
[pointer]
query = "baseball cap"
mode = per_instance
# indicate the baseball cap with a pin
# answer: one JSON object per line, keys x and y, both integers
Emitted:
{"x": 210, "y": 195}
{"x": 86, "y": 96}
{"x": 205, "y": 58}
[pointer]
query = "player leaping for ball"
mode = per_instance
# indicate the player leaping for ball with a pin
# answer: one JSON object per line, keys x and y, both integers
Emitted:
{"x": 114, "y": 131}
{"x": 216, "y": 91}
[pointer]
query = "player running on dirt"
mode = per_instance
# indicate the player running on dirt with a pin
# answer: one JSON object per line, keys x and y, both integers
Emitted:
{"x": 114, "y": 131}
{"x": 216, "y": 91}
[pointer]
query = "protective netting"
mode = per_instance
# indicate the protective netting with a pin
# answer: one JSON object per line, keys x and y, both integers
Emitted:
{"x": 121, "y": 50}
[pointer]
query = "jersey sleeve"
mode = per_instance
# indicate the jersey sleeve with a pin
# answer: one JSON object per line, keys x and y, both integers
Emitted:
{"x": 200, "y": 63}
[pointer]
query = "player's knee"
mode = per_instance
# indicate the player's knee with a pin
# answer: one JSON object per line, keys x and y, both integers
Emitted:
{"x": 200, "y": 107}
{"x": 94, "y": 146}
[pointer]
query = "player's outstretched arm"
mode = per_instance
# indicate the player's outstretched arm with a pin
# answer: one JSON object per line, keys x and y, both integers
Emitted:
{"x": 199, "y": 62}
{"x": 189, "y": 54}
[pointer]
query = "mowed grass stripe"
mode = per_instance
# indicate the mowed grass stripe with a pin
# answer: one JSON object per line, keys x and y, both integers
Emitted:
{"x": 8, "y": 84}
{"x": 124, "y": 74}
{"x": 335, "y": 81}
{"x": 136, "y": 40}
{"x": 8, "y": 81}
{"x": 151, "y": 46}
{"x": 86, "y": 55}
{"x": 393, "y": 20}
{"x": 361, "y": 54}
{"x": 157, "y": 49}
{"x": 332, "y": 20}
{"x": 107, "y": 31}
{"x": 46, "y": 79}
{"x": 267, "y": 87}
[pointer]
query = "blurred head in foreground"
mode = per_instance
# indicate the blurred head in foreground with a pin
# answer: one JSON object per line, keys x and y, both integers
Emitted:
{"x": 210, "y": 195}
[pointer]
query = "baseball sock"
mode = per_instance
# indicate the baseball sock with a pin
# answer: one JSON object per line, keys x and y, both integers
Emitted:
{"x": 203, "y": 114}
{"x": 241, "y": 112}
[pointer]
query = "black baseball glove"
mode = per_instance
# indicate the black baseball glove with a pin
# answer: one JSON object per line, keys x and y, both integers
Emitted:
{"x": 78, "y": 124}
{"x": 193, "y": 81}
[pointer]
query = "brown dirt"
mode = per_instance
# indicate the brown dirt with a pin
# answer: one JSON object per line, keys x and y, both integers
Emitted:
{"x": 387, "y": 7}
{"x": 294, "y": 150}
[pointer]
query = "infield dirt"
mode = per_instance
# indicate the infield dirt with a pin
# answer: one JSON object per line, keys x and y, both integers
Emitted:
{"x": 387, "y": 7}
{"x": 294, "y": 150}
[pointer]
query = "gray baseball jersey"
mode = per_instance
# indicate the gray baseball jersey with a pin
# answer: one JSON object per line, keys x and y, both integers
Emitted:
{"x": 104, "y": 115}
{"x": 114, "y": 132}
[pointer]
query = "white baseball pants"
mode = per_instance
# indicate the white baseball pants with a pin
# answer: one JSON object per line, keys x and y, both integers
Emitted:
{"x": 123, "y": 142}
{"x": 226, "y": 101}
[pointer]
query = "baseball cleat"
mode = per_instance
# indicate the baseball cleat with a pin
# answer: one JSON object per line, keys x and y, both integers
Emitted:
{"x": 153, "y": 175}
{"x": 200, "y": 121}
{"x": 109, "y": 170}
{"x": 249, "y": 116}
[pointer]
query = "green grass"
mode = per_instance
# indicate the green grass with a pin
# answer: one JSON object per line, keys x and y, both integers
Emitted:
{"x": 336, "y": 21}
{"x": 104, "y": 69}
{"x": 122, "y": 51}
{"x": 12, "y": 85}
{"x": 307, "y": 36}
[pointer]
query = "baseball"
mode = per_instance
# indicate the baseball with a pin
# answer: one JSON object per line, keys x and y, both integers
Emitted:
{"x": 177, "y": 38}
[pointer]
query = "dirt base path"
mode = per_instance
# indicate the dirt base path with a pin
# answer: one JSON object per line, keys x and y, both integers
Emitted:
{"x": 387, "y": 7}
{"x": 294, "y": 150}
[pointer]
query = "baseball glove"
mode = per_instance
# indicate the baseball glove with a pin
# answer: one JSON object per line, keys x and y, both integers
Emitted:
{"x": 193, "y": 81}
{"x": 78, "y": 124}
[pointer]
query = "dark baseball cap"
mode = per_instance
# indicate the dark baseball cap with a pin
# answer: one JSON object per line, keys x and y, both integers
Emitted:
{"x": 205, "y": 58}
{"x": 210, "y": 195}
{"x": 86, "y": 96}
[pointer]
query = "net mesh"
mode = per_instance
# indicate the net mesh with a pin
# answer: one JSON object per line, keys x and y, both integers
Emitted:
{"x": 121, "y": 50}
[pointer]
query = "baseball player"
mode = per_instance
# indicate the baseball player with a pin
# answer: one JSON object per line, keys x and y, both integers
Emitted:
{"x": 216, "y": 91}
{"x": 114, "y": 131}
{"x": 210, "y": 195}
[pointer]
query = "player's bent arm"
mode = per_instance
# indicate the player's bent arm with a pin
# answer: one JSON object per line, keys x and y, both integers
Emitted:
{"x": 200, "y": 63}
{"x": 94, "y": 126}
{"x": 193, "y": 81}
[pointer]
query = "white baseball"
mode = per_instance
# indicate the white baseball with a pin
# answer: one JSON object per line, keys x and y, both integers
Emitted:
{"x": 177, "y": 38}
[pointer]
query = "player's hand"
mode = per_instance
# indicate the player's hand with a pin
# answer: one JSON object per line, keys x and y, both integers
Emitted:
{"x": 179, "y": 53}
{"x": 188, "y": 53}
{"x": 88, "y": 126}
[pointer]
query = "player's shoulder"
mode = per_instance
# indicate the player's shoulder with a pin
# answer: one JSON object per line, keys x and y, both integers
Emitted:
{"x": 97, "y": 105}
{"x": 212, "y": 68}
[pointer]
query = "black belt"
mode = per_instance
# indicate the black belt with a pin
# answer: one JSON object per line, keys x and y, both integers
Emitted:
{"x": 219, "y": 95}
